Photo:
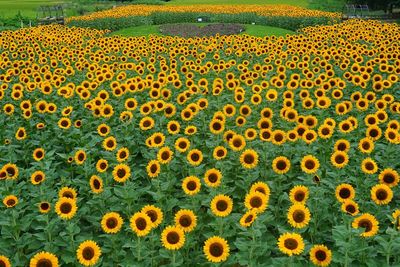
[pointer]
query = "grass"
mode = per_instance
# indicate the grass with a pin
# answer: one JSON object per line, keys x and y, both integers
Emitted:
{"x": 28, "y": 8}
{"x": 302, "y": 3}
{"x": 255, "y": 30}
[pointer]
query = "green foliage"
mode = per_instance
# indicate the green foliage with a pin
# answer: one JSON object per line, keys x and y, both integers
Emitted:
{"x": 158, "y": 18}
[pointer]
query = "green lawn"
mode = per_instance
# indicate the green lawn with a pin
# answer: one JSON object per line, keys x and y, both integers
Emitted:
{"x": 28, "y": 8}
{"x": 255, "y": 30}
{"x": 302, "y": 3}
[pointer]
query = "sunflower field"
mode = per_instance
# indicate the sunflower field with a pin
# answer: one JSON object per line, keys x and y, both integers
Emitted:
{"x": 225, "y": 150}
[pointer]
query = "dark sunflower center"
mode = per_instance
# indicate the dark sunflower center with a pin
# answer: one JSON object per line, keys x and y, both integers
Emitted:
{"x": 255, "y": 202}
{"x": 173, "y": 238}
{"x": 96, "y": 184}
{"x": 388, "y": 178}
{"x": 278, "y": 137}
{"x": 369, "y": 166}
{"x": 111, "y": 223}
{"x": 165, "y": 155}
{"x": 299, "y": 216}
{"x": 367, "y": 224}
{"x": 10, "y": 171}
{"x": 281, "y": 165}
{"x": 44, "y": 206}
{"x": 381, "y": 194}
{"x": 88, "y": 253}
{"x": 152, "y": 214}
{"x": 68, "y": 195}
{"x": 11, "y": 202}
{"x": 339, "y": 159}
{"x": 310, "y": 164}
{"x": 216, "y": 249}
{"x": 320, "y": 255}
{"x": 121, "y": 173}
{"x": 213, "y": 177}
{"x": 185, "y": 220}
{"x": 153, "y": 168}
{"x": 39, "y": 154}
{"x": 365, "y": 145}
{"x": 141, "y": 224}
{"x": 249, "y": 219}
{"x": 249, "y": 159}
{"x": 222, "y": 205}
{"x": 146, "y": 123}
{"x": 182, "y": 145}
{"x": 122, "y": 155}
{"x": 195, "y": 157}
{"x": 220, "y": 153}
{"x": 38, "y": 178}
{"x": 110, "y": 143}
{"x": 217, "y": 126}
{"x": 291, "y": 243}
{"x": 65, "y": 208}
{"x": 81, "y": 157}
{"x": 344, "y": 193}
{"x": 350, "y": 209}
{"x": 299, "y": 196}
{"x": 157, "y": 140}
{"x": 44, "y": 263}
{"x": 237, "y": 143}
{"x": 191, "y": 185}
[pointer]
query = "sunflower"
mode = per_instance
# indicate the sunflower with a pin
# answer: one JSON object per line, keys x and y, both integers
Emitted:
{"x": 298, "y": 216}
{"x": 38, "y": 154}
{"x": 320, "y": 255}
{"x": 249, "y": 159}
{"x": 64, "y": 123}
{"x": 373, "y": 132}
{"x": 10, "y": 201}
{"x": 191, "y": 185}
{"x": 173, "y": 237}
{"x": 216, "y": 249}
{"x": 339, "y": 159}
{"x": 216, "y": 126}
{"x": 220, "y": 152}
{"x": 4, "y": 261}
{"x": 80, "y": 157}
{"x": 173, "y": 127}
{"x": 37, "y": 177}
{"x": 20, "y": 134}
{"x": 291, "y": 244}
{"x": 281, "y": 165}
{"x": 111, "y": 222}
{"x": 44, "y": 259}
{"x": 122, "y": 154}
{"x": 110, "y": 143}
{"x": 66, "y": 208}
{"x": 101, "y": 165}
{"x": 185, "y": 219}
{"x": 248, "y": 218}
{"x": 213, "y": 177}
{"x": 342, "y": 145}
{"x": 278, "y": 137}
{"x": 299, "y": 194}
{"x": 11, "y": 171}
{"x": 381, "y": 194}
{"x": 44, "y": 207}
{"x": 155, "y": 214}
{"x": 350, "y": 206}
{"x": 368, "y": 222}
{"x": 309, "y": 164}
{"x": 261, "y": 187}
{"x": 182, "y": 144}
{"x": 153, "y": 168}
{"x": 146, "y": 123}
{"x": 369, "y": 166}
{"x": 103, "y": 130}
{"x": 140, "y": 223}
{"x": 121, "y": 173}
{"x": 67, "y": 192}
{"x": 164, "y": 155}
{"x": 221, "y": 205}
{"x": 96, "y": 184}
{"x": 88, "y": 253}
{"x": 256, "y": 201}
{"x": 389, "y": 177}
{"x": 195, "y": 157}
{"x": 344, "y": 192}
{"x": 237, "y": 142}
{"x": 366, "y": 145}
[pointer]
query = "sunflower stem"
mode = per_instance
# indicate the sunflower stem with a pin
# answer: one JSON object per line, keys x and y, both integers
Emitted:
{"x": 139, "y": 249}
{"x": 173, "y": 258}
